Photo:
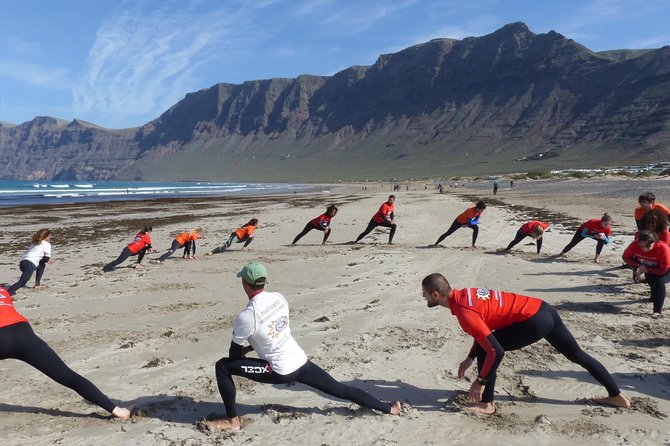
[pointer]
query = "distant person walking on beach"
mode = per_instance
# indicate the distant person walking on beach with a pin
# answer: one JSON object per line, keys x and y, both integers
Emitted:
{"x": 598, "y": 230}
{"x": 500, "y": 322}
{"x": 264, "y": 327}
{"x": 650, "y": 257}
{"x": 647, "y": 203}
{"x": 19, "y": 341}
{"x": 467, "y": 219}
{"x": 495, "y": 187}
{"x": 183, "y": 239}
{"x": 242, "y": 234}
{"x": 140, "y": 245}
{"x": 34, "y": 261}
{"x": 384, "y": 217}
{"x": 534, "y": 229}
{"x": 320, "y": 223}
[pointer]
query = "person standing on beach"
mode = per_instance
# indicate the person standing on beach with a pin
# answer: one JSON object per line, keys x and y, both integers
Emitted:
{"x": 599, "y": 230}
{"x": 501, "y": 322}
{"x": 34, "y": 261}
{"x": 467, "y": 219}
{"x": 647, "y": 203}
{"x": 19, "y": 341}
{"x": 264, "y": 326}
{"x": 242, "y": 234}
{"x": 320, "y": 223}
{"x": 495, "y": 186}
{"x": 182, "y": 240}
{"x": 138, "y": 247}
{"x": 384, "y": 217}
{"x": 534, "y": 229}
{"x": 650, "y": 257}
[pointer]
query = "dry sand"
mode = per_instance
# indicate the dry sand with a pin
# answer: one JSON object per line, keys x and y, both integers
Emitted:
{"x": 151, "y": 337}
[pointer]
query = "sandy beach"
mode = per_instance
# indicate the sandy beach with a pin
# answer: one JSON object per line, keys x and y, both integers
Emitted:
{"x": 151, "y": 337}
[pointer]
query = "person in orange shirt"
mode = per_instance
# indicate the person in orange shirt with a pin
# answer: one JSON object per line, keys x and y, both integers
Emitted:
{"x": 183, "y": 239}
{"x": 138, "y": 247}
{"x": 656, "y": 220}
{"x": 534, "y": 229}
{"x": 320, "y": 223}
{"x": 502, "y": 321}
{"x": 243, "y": 234}
{"x": 650, "y": 257}
{"x": 468, "y": 219}
{"x": 597, "y": 229}
{"x": 647, "y": 202}
{"x": 384, "y": 217}
{"x": 19, "y": 341}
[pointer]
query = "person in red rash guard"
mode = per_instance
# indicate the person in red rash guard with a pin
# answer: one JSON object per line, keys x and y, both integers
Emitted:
{"x": 320, "y": 223}
{"x": 597, "y": 229}
{"x": 467, "y": 219}
{"x": 648, "y": 203}
{"x": 19, "y": 341}
{"x": 656, "y": 220}
{"x": 502, "y": 321}
{"x": 534, "y": 229}
{"x": 650, "y": 257}
{"x": 384, "y": 217}
{"x": 138, "y": 247}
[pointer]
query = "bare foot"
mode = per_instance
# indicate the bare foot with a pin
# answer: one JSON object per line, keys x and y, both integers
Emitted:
{"x": 139, "y": 265}
{"x": 390, "y": 243}
{"x": 232, "y": 424}
{"x": 396, "y": 408}
{"x": 209, "y": 253}
{"x": 656, "y": 315}
{"x": 194, "y": 258}
{"x": 122, "y": 413}
{"x": 618, "y": 401}
{"x": 482, "y": 408}
{"x": 39, "y": 287}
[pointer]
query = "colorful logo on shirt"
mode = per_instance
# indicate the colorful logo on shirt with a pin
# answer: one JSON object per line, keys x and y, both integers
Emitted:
{"x": 277, "y": 326}
{"x": 483, "y": 294}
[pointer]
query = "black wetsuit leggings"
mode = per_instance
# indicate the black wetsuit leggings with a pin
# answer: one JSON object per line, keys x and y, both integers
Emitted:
{"x": 578, "y": 237}
{"x": 545, "y": 324}
{"x": 18, "y": 341}
{"x": 455, "y": 226}
{"x": 308, "y": 227}
{"x": 657, "y": 287}
{"x": 232, "y": 239}
{"x": 189, "y": 247}
{"x": 373, "y": 224}
{"x": 27, "y": 269}
{"x": 125, "y": 254}
{"x": 309, "y": 374}
{"x": 175, "y": 246}
{"x": 520, "y": 235}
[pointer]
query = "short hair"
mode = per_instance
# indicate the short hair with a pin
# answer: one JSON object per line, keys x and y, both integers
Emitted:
{"x": 146, "y": 228}
{"x": 647, "y": 237}
{"x": 480, "y": 205}
{"x": 647, "y": 196}
{"x": 258, "y": 286}
{"x": 391, "y": 196}
{"x": 436, "y": 282}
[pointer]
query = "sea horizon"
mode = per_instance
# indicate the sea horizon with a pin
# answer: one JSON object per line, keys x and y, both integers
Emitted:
{"x": 27, "y": 193}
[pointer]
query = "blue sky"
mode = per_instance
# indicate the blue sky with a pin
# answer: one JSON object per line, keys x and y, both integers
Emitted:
{"x": 122, "y": 63}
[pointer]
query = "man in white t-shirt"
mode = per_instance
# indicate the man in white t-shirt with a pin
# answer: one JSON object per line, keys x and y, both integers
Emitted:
{"x": 264, "y": 326}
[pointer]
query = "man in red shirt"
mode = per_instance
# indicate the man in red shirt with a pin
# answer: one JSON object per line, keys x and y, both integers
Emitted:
{"x": 500, "y": 322}
{"x": 467, "y": 219}
{"x": 384, "y": 217}
{"x": 647, "y": 203}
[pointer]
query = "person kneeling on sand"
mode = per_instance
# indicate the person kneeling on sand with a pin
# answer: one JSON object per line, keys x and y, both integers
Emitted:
{"x": 19, "y": 341}
{"x": 264, "y": 325}
{"x": 502, "y": 321}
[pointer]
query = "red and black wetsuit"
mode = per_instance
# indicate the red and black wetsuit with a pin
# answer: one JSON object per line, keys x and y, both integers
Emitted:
{"x": 468, "y": 218}
{"x": 527, "y": 231}
{"x": 320, "y": 223}
{"x": 384, "y": 217}
{"x": 657, "y": 262}
{"x": 589, "y": 229}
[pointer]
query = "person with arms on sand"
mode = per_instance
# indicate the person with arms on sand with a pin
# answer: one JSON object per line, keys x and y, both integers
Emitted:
{"x": 384, "y": 217}
{"x": 140, "y": 245}
{"x": 242, "y": 234}
{"x": 181, "y": 240}
{"x": 320, "y": 223}
{"x": 34, "y": 261}
{"x": 648, "y": 256}
{"x": 264, "y": 325}
{"x": 19, "y": 341}
{"x": 534, "y": 229}
{"x": 502, "y": 321}
{"x": 597, "y": 229}
{"x": 647, "y": 203}
{"x": 467, "y": 219}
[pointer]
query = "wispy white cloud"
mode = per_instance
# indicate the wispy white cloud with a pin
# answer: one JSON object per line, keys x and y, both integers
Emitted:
{"x": 36, "y": 75}
{"x": 141, "y": 60}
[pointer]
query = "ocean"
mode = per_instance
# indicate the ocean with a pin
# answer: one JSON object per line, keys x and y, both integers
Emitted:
{"x": 21, "y": 193}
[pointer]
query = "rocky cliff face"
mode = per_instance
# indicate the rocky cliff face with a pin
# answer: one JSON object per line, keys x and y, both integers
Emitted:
{"x": 439, "y": 108}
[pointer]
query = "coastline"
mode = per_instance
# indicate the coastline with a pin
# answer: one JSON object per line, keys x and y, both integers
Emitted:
{"x": 150, "y": 337}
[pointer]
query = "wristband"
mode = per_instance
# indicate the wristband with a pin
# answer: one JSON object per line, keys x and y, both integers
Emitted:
{"x": 482, "y": 381}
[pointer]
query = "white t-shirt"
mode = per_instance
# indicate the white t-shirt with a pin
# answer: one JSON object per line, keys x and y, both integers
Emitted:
{"x": 37, "y": 252}
{"x": 264, "y": 324}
